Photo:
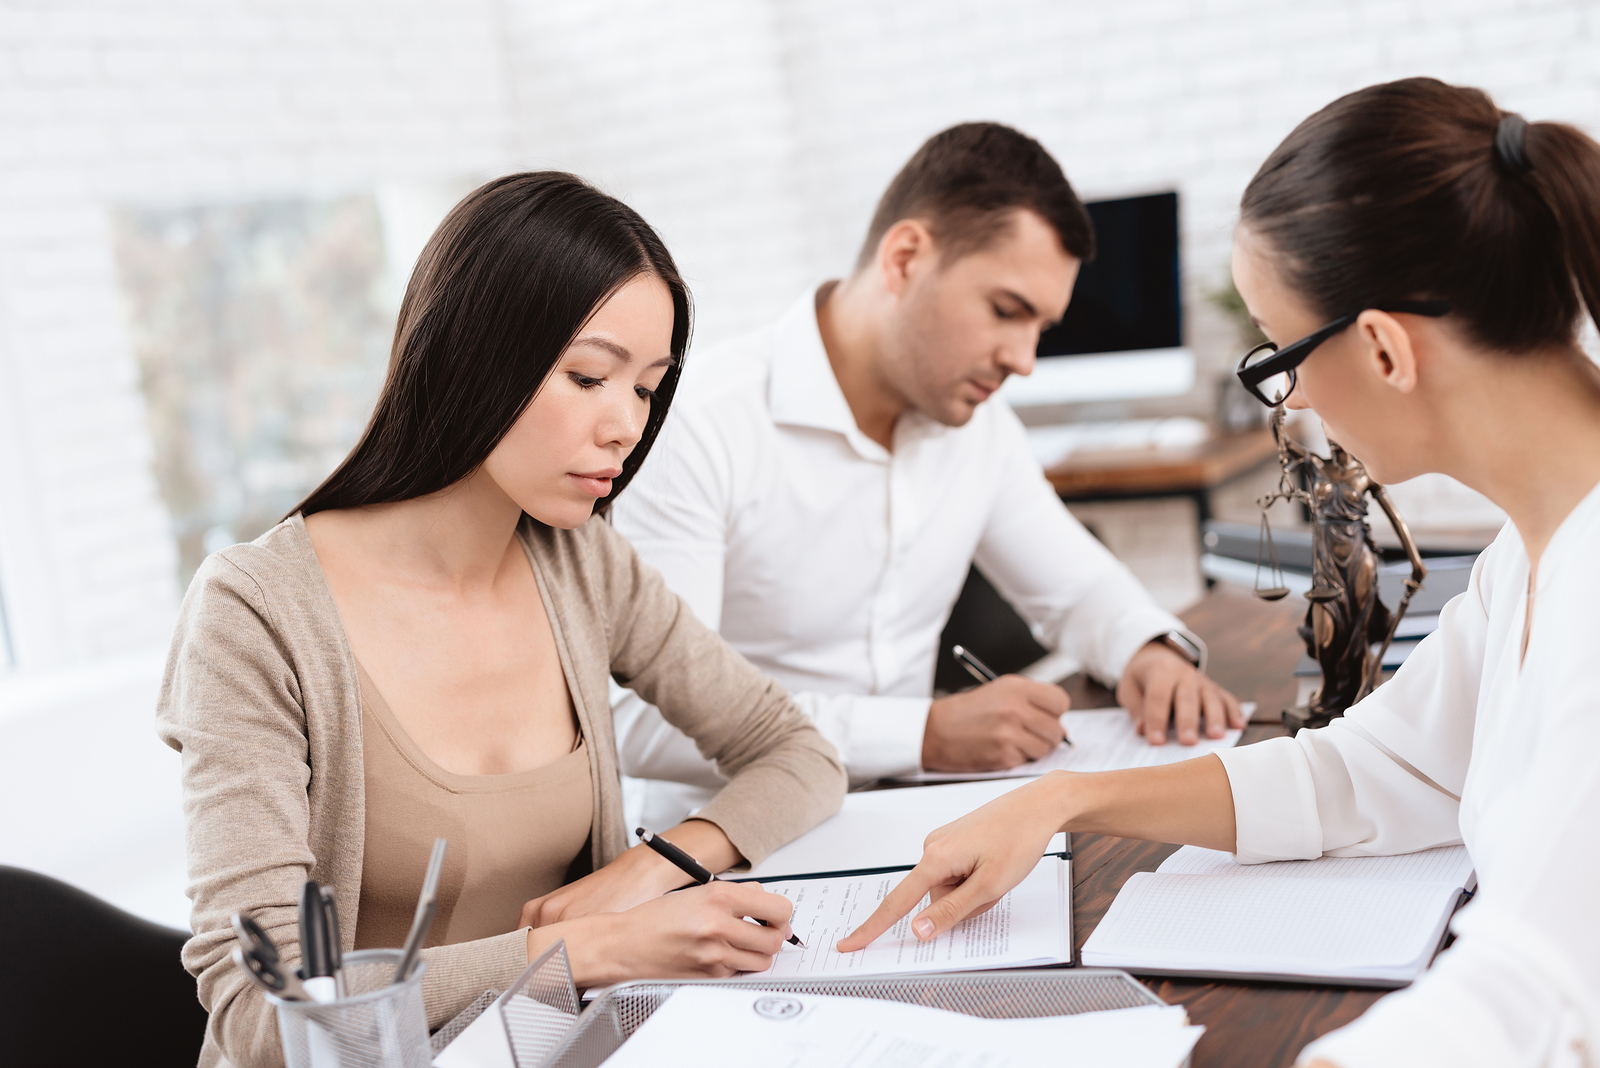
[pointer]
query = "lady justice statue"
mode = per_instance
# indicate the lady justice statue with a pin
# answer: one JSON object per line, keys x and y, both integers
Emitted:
{"x": 1345, "y": 618}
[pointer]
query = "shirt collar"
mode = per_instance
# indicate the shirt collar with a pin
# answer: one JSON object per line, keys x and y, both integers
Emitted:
{"x": 802, "y": 389}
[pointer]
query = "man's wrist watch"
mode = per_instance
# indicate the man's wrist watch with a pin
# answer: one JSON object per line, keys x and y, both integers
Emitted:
{"x": 1184, "y": 646}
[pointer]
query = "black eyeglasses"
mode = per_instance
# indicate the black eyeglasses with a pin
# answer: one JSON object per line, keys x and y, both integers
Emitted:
{"x": 1268, "y": 372}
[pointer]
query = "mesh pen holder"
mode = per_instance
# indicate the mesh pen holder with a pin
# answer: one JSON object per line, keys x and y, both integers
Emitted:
{"x": 541, "y": 1007}
{"x": 377, "y": 1024}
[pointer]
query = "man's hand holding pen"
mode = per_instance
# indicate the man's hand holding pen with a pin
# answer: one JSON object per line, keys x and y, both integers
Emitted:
{"x": 1000, "y": 724}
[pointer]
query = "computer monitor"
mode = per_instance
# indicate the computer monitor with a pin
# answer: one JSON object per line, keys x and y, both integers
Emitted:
{"x": 1122, "y": 336}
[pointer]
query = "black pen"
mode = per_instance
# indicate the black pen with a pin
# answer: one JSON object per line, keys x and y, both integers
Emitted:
{"x": 316, "y": 969}
{"x": 692, "y": 868}
{"x": 975, "y": 667}
{"x": 330, "y": 921}
{"x": 983, "y": 672}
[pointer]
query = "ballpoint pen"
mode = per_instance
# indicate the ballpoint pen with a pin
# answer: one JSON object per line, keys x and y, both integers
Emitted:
{"x": 975, "y": 667}
{"x": 693, "y": 869}
{"x": 330, "y": 917}
{"x": 983, "y": 672}
{"x": 316, "y": 969}
{"x": 427, "y": 905}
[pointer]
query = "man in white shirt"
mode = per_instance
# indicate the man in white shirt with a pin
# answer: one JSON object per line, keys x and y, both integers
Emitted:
{"x": 823, "y": 484}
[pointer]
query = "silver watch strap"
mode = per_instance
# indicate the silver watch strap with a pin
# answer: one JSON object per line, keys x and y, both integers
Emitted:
{"x": 1186, "y": 647}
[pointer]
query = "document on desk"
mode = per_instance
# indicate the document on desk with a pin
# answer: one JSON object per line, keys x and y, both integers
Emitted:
{"x": 1103, "y": 739}
{"x": 882, "y": 829}
{"x": 1370, "y": 920}
{"x": 1032, "y": 925}
{"x": 724, "y": 1027}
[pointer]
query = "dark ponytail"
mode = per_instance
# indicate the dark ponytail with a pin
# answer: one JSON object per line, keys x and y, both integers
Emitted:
{"x": 1399, "y": 192}
{"x": 500, "y": 290}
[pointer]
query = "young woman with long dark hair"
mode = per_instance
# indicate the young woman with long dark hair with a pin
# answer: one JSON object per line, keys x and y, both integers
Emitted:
{"x": 423, "y": 647}
{"x": 1423, "y": 261}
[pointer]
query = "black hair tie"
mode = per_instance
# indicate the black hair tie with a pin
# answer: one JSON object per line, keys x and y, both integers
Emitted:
{"x": 1510, "y": 139}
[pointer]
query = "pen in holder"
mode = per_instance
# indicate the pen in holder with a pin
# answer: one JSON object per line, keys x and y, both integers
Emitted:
{"x": 377, "y": 1024}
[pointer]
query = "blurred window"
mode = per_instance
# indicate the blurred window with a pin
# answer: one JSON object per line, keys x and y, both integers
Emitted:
{"x": 262, "y": 332}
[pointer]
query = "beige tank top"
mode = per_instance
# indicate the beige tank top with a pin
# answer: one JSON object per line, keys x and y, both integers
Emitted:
{"x": 512, "y": 837}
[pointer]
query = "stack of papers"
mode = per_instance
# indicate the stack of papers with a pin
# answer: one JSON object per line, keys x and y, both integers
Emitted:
{"x": 719, "y": 1027}
{"x": 1103, "y": 739}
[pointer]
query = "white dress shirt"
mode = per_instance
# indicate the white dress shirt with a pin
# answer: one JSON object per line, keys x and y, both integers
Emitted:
{"x": 1465, "y": 745}
{"x": 832, "y": 563}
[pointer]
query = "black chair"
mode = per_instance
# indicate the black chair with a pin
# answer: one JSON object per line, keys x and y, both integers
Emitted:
{"x": 84, "y": 983}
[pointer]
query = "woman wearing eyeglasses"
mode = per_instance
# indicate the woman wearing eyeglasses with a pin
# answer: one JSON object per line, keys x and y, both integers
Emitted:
{"x": 1421, "y": 261}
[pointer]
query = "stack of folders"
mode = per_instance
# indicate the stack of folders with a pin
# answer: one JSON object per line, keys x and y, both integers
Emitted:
{"x": 1364, "y": 921}
{"x": 837, "y": 874}
{"x": 1448, "y": 578}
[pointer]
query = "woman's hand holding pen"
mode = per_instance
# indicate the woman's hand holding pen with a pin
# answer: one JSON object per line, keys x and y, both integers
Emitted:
{"x": 624, "y": 922}
{"x": 700, "y": 933}
{"x": 972, "y": 863}
{"x": 637, "y": 876}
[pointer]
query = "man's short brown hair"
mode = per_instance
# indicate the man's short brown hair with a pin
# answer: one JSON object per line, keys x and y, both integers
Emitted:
{"x": 965, "y": 182}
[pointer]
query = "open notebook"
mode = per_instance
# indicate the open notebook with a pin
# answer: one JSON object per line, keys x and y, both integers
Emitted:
{"x": 1366, "y": 921}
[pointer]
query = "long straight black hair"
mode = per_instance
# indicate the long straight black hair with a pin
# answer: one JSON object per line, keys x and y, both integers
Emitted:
{"x": 500, "y": 290}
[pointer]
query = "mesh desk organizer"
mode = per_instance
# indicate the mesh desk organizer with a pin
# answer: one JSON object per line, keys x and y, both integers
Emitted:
{"x": 598, "y": 1032}
{"x": 377, "y": 1024}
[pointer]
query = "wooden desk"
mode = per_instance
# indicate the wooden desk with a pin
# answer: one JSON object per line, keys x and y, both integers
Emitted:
{"x": 1191, "y": 470}
{"x": 1248, "y": 1025}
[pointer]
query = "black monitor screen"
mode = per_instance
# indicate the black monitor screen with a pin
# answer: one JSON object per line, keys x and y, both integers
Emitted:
{"x": 1127, "y": 297}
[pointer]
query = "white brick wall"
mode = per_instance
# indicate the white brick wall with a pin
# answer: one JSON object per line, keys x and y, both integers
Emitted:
{"x": 685, "y": 111}
{"x": 756, "y": 135}
{"x": 175, "y": 102}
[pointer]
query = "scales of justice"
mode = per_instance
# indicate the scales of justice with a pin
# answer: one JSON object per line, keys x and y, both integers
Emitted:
{"x": 1345, "y": 620}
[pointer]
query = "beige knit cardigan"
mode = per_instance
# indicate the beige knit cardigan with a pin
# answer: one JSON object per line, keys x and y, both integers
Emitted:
{"x": 260, "y": 697}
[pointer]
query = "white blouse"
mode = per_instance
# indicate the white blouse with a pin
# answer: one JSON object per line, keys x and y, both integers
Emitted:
{"x": 1463, "y": 745}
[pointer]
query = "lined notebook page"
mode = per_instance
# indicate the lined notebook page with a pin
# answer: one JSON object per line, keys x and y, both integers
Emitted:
{"x": 1446, "y": 864}
{"x": 1236, "y": 923}
{"x": 1363, "y": 918}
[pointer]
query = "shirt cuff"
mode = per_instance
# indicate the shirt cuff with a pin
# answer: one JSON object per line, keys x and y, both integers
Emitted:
{"x": 1274, "y": 802}
{"x": 885, "y": 737}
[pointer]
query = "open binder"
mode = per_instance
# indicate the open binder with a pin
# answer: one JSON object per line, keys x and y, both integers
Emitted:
{"x": 838, "y": 872}
{"x": 1030, "y": 927}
